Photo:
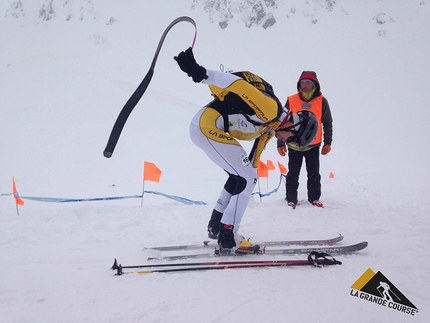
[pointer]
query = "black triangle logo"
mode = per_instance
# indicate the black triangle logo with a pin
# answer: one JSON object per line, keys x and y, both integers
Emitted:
{"x": 380, "y": 286}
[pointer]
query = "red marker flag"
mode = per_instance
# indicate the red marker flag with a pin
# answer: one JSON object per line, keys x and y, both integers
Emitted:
{"x": 18, "y": 201}
{"x": 151, "y": 172}
{"x": 270, "y": 165}
{"x": 262, "y": 170}
{"x": 282, "y": 168}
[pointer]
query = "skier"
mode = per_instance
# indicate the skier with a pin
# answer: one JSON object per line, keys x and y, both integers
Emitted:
{"x": 244, "y": 108}
{"x": 385, "y": 290}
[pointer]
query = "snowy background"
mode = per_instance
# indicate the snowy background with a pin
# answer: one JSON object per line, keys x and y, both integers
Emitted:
{"x": 68, "y": 67}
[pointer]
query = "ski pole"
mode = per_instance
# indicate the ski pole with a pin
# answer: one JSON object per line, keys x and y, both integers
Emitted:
{"x": 315, "y": 259}
{"x": 207, "y": 263}
{"x": 214, "y": 267}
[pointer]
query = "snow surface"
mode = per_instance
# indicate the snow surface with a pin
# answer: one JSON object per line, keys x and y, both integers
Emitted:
{"x": 62, "y": 85}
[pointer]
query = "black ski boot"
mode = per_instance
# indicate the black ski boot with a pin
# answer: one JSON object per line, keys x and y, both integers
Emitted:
{"x": 227, "y": 242}
{"x": 214, "y": 224}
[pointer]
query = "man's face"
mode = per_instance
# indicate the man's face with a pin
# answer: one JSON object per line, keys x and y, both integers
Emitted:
{"x": 306, "y": 85}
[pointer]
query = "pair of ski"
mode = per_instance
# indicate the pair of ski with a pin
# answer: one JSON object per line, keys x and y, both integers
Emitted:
{"x": 268, "y": 248}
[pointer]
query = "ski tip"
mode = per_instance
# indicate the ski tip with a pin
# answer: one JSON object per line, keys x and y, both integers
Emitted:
{"x": 107, "y": 154}
{"x": 362, "y": 245}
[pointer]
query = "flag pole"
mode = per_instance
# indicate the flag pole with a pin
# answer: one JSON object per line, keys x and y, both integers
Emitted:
{"x": 143, "y": 191}
{"x": 16, "y": 196}
{"x": 143, "y": 184}
{"x": 259, "y": 189}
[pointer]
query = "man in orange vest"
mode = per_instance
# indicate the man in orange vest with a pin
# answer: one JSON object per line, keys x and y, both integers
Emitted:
{"x": 308, "y": 98}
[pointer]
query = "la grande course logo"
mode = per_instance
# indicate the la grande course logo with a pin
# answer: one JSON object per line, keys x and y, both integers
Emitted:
{"x": 376, "y": 288}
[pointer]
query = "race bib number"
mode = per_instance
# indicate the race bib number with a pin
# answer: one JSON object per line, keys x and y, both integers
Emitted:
{"x": 245, "y": 160}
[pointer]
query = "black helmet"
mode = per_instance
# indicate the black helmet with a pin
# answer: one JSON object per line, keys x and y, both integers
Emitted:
{"x": 306, "y": 125}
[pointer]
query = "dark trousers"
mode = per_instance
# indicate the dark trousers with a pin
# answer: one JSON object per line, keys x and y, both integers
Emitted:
{"x": 312, "y": 161}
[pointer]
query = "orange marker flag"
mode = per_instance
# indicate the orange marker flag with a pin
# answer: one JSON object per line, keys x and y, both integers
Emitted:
{"x": 331, "y": 175}
{"x": 270, "y": 165}
{"x": 282, "y": 168}
{"x": 18, "y": 201}
{"x": 262, "y": 170}
{"x": 151, "y": 172}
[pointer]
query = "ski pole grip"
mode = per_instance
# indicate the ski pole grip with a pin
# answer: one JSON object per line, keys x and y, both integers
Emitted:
{"x": 326, "y": 259}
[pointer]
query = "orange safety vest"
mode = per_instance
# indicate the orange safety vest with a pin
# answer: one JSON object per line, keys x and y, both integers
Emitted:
{"x": 315, "y": 106}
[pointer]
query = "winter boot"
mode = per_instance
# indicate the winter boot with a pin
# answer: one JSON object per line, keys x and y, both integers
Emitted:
{"x": 214, "y": 224}
{"x": 292, "y": 205}
{"x": 317, "y": 203}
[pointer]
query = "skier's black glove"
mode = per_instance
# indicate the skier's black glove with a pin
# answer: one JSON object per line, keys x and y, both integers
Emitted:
{"x": 188, "y": 64}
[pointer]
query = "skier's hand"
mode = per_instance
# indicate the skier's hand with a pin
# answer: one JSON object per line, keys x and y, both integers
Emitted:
{"x": 282, "y": 150}
{"x": 325, "y": 149}
{"x": 188, "y": 64}
{"x": 186, "y": 60}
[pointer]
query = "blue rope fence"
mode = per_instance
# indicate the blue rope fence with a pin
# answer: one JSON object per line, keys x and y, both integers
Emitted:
{"x": 68, "y": 200}
{"x": 272, "y": 191}
{"x": 111, "y": 198}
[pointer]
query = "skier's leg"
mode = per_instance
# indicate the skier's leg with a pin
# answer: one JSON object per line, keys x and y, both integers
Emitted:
{"x": 231, "y": 187}
{"x": 229, "y": 155}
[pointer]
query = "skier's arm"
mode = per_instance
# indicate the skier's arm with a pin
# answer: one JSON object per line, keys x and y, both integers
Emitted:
{"x": 220, "y": 79}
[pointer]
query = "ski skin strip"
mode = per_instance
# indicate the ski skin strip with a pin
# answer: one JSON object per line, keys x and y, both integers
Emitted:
{"x": 138, "y": 93}
{"x": 292, "y": 251}
{"x": 206, "y": 244}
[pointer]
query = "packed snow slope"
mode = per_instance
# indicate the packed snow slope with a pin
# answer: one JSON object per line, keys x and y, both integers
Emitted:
{"x": 68, "y": 67}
